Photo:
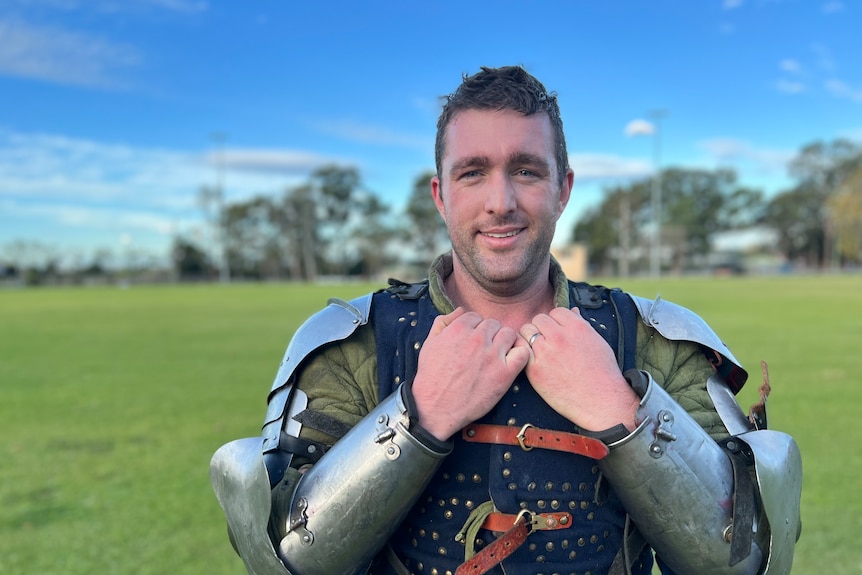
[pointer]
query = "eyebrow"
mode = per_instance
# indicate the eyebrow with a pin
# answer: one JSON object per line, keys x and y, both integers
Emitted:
{"x": 522, "y": 158}
{"x": 470, "y": 162}
{"x": 518, "y": 158}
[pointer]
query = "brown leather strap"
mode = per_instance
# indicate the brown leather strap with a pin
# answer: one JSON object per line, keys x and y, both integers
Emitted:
{"x": 529, "y": 437}
{"x": 494, "y": 553}
{"x": 497, "y": 521}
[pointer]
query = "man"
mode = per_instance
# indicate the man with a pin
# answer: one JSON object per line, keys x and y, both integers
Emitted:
{"x": 499, "y": 418}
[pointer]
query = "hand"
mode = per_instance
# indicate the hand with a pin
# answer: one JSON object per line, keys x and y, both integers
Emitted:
{"x": 576, "y": 373}
{"x": 466, "y": 365}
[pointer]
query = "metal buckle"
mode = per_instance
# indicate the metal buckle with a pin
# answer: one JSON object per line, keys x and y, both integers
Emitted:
{"x": 539, "y": 522}
{"x": 521, "y": 437}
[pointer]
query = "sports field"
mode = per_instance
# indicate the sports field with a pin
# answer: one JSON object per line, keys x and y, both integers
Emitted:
{"x": 113, "y": 400}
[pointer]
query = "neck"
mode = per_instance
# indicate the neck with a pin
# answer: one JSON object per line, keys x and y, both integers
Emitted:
{"x": 512, "y": 310}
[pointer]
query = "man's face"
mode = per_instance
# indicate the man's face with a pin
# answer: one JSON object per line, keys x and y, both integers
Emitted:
{"x": 499, "y": 195}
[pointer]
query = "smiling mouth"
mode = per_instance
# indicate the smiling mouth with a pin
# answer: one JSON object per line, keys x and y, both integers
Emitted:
{"x": 502, "y": 234}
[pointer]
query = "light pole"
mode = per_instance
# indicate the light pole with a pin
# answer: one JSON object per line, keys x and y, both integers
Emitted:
{"x": 644, "y": 128}
{"x": 224, "y": 267}
{"x": 655, "y": 253}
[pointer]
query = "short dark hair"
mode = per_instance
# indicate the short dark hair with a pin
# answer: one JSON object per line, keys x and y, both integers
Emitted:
{"x": 506, "y": 88}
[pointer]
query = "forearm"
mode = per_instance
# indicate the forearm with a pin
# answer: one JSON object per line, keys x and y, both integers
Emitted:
{"x": 678, "y": 486}
{"x": 347, "y": 505}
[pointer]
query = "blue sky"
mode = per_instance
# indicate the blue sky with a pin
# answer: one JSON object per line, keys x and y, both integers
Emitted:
{"x": 112, "y": 111}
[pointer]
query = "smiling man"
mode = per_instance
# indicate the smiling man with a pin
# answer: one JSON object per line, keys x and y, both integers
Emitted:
{"x": 499, "y": 418}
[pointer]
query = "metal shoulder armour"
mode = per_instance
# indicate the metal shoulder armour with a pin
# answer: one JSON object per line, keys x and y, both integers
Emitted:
{"x": 678, "y": 323}
{"x": 241, "y": 484}
{"x": 778, "y": 469}
{"x": 778, "y": 466}
{"x": 335, "y": 322}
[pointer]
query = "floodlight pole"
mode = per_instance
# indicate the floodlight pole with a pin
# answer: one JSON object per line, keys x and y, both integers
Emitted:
{"x": 221, "y": 240}
{"x": 655, "y": 251}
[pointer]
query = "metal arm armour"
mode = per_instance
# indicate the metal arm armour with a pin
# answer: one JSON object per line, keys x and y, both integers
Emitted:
{"x": 678, "y": 486}
{"x": 347, "y": 506}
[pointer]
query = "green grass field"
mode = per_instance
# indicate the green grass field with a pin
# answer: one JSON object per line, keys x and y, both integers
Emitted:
{"x": 113, "y": 400}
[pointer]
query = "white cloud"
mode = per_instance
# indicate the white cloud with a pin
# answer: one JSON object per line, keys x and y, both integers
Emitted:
{"x": 735, "y": 152}
{"x": 357, "y": 132}
{"x": 824, "y": 57}
{"x": 833, "y": 7}
{"x": 639, "y": 128}
{"x": 607, "y": 166}
{"x": 258, "y": 160}
{"x": 58, "y": 184}
{"x": 51, "y": 166}
{"x": 790, "y": 65}
{"x": 191, "y": 6}
{"x": 841, "y": 89}
{"x": 727, "y": 28}
{"x": 102, "y": 218}
{"x": 790, "y": 87}
{"x": 114, "y": 6}
{"x": 59, "y": 56}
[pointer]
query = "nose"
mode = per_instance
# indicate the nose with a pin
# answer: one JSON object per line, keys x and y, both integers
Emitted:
{"x": 500, "y": 195}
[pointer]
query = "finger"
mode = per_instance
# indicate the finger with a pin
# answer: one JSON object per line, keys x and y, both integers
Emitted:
{"x": 560, "y": 316}
{"x": 505, "y": 339}
{"x": 547, "y": 325}
{"x": 519, "y": 356}
{"x": 441, "y": 322}
{"x": 528, "y": 330}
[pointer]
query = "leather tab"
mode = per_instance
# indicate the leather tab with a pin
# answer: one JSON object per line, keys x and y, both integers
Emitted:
{"x": 529, "y": 437}
{"x": 497, "y": 551}
{"x": 500, "y": 522}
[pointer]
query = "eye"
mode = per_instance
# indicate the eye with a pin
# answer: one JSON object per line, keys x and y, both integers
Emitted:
{"x": 526, "y": 173}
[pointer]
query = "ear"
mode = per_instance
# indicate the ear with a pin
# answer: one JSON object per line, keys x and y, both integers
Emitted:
{"x": 566, "y": 191}
{"x": 437, "y": 194}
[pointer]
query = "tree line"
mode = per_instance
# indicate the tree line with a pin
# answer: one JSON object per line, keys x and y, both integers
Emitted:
{"x": 333, "y": 225}
{"x": 817, "y": 222}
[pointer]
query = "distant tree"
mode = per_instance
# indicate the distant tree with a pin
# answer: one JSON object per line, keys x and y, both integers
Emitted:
{"x": 298, "y": 219}
{"x": 372, "y": 236}
{"x": 615, "y": 225}
{"x": 820, "y": 170}
{"x": 9, "y": 271}
{"x": 190, "y": 261}
{"x": 426, "y": 230}
{"x": 250, "y": 235}
{"x": 845, "y": 215}
{"x": 211, "y": 201}
{"x": 336, "y": 190}
{"x": 696, "y": 204}
{"x": 795, "y": 216}
{"x": 37, "y": 262}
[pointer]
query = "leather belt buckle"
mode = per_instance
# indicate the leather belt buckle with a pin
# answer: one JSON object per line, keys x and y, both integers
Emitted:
{"x": 501, "y": 522}
{"x": 522, "y": 437}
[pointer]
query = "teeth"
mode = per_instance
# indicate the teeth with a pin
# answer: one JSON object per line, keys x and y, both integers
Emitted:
{"x": 506, "y": 235}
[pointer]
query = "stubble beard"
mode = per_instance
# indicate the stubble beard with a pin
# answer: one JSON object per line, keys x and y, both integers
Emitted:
{"x": 503, "y": 274}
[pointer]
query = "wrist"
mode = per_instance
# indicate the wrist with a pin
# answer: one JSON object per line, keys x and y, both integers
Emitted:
{"x": 426, "y": 437}
{"x": 609, "y": 435}
{"x": 637, "y": 383}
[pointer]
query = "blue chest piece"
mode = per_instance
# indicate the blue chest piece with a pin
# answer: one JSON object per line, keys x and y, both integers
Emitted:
{"x": 541, "y": 481}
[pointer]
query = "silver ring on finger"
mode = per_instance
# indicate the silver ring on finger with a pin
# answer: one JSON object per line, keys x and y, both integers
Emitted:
{"x": 532, "y": 339}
